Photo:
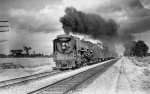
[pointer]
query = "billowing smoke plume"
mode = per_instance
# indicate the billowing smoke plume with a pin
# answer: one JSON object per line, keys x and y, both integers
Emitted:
{"x": 128, "y": 47}
{"x": 130, "y": 44}
{"x": 93, "y": 25}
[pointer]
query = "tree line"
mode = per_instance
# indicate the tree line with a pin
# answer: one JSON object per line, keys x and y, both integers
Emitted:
{"x": 18, "y": 52}
{"x": 139, "y": 49}
{"x": 25, "y": 52}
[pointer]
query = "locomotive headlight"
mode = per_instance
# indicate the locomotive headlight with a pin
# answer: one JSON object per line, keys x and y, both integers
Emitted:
{"x": 65, "y": 45}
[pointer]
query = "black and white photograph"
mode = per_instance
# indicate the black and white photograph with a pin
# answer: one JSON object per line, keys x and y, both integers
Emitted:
{"x": 74, "y": 46}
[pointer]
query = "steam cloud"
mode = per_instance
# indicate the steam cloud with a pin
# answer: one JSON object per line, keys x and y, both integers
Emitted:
{"x": 128, "y": 46}
{"x": 93, "y": 25}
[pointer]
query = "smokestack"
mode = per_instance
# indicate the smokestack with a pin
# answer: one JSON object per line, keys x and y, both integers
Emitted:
{"x": 66, "y": 30}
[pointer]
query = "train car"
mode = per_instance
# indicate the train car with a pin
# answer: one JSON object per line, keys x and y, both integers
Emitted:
{"x": 71, "y": 52}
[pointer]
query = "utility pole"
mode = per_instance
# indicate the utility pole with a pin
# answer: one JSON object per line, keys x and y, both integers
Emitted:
{"x": 4, "y": 27}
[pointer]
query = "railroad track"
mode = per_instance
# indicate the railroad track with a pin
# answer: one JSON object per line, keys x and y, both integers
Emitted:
{"x": 68, "y": 85}
{"x": 15, "y": 81}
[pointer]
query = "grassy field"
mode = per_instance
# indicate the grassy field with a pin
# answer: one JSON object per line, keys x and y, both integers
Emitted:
{"x": 144, "y": 59}
{"x": 143, "y": 64}
{"x": 25, "y": 62}
{"x": 18, "y": 67}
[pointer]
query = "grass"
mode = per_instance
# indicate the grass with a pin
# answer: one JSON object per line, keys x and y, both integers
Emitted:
{"x": 145, "y": 78}
{"x": 11, "y": 63}
{"x": 10, "y": 66}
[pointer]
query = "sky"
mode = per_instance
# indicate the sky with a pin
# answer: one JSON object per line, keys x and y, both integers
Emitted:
{"x": 35, "y": 23}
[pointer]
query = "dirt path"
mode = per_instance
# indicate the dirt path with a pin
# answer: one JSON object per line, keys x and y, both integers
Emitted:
{"x": 123, "y": 84}
{"x": 118, "y": 79}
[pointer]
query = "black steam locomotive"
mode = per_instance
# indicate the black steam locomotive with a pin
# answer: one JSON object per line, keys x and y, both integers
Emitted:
{"x": 71, "y": 52}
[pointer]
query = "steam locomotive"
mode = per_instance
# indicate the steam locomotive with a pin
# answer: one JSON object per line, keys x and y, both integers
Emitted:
{"x": 71, "y": 52}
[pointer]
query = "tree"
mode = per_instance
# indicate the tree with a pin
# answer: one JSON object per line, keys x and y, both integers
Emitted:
{"x": 140, "y": 49}
{"x": 27, "y": 49}
{"x": 34, "y": 52}
{"x": 16, "y": 53}
{"x": 12, "y": 52}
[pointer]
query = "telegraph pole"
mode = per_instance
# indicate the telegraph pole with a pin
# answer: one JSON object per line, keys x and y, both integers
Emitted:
{"x": 4, "y": 27}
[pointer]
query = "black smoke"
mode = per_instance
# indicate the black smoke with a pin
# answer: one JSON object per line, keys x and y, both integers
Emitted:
{"x": 96, "y": 27}
{"x": 93, "y": 25}
{"x": 130, "y": 44}
{"x": 129, "y": 47}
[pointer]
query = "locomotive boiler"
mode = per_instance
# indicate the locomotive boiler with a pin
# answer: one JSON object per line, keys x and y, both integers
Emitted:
{"x": 71, "y": 52}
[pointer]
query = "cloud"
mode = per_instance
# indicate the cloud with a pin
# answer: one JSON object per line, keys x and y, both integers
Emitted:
{"x": 27, "y": 4}
{"x": 137, "y": 26}
{"x": 146, "y": 3}
{"x": 130, "y": 14}
{"x": 38, "y": 16}
{"x": 30, "y": 23}
{"x": 85, "y": 5}
{"x": 32, "y": 15}
{"x": 44, "y": 20}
